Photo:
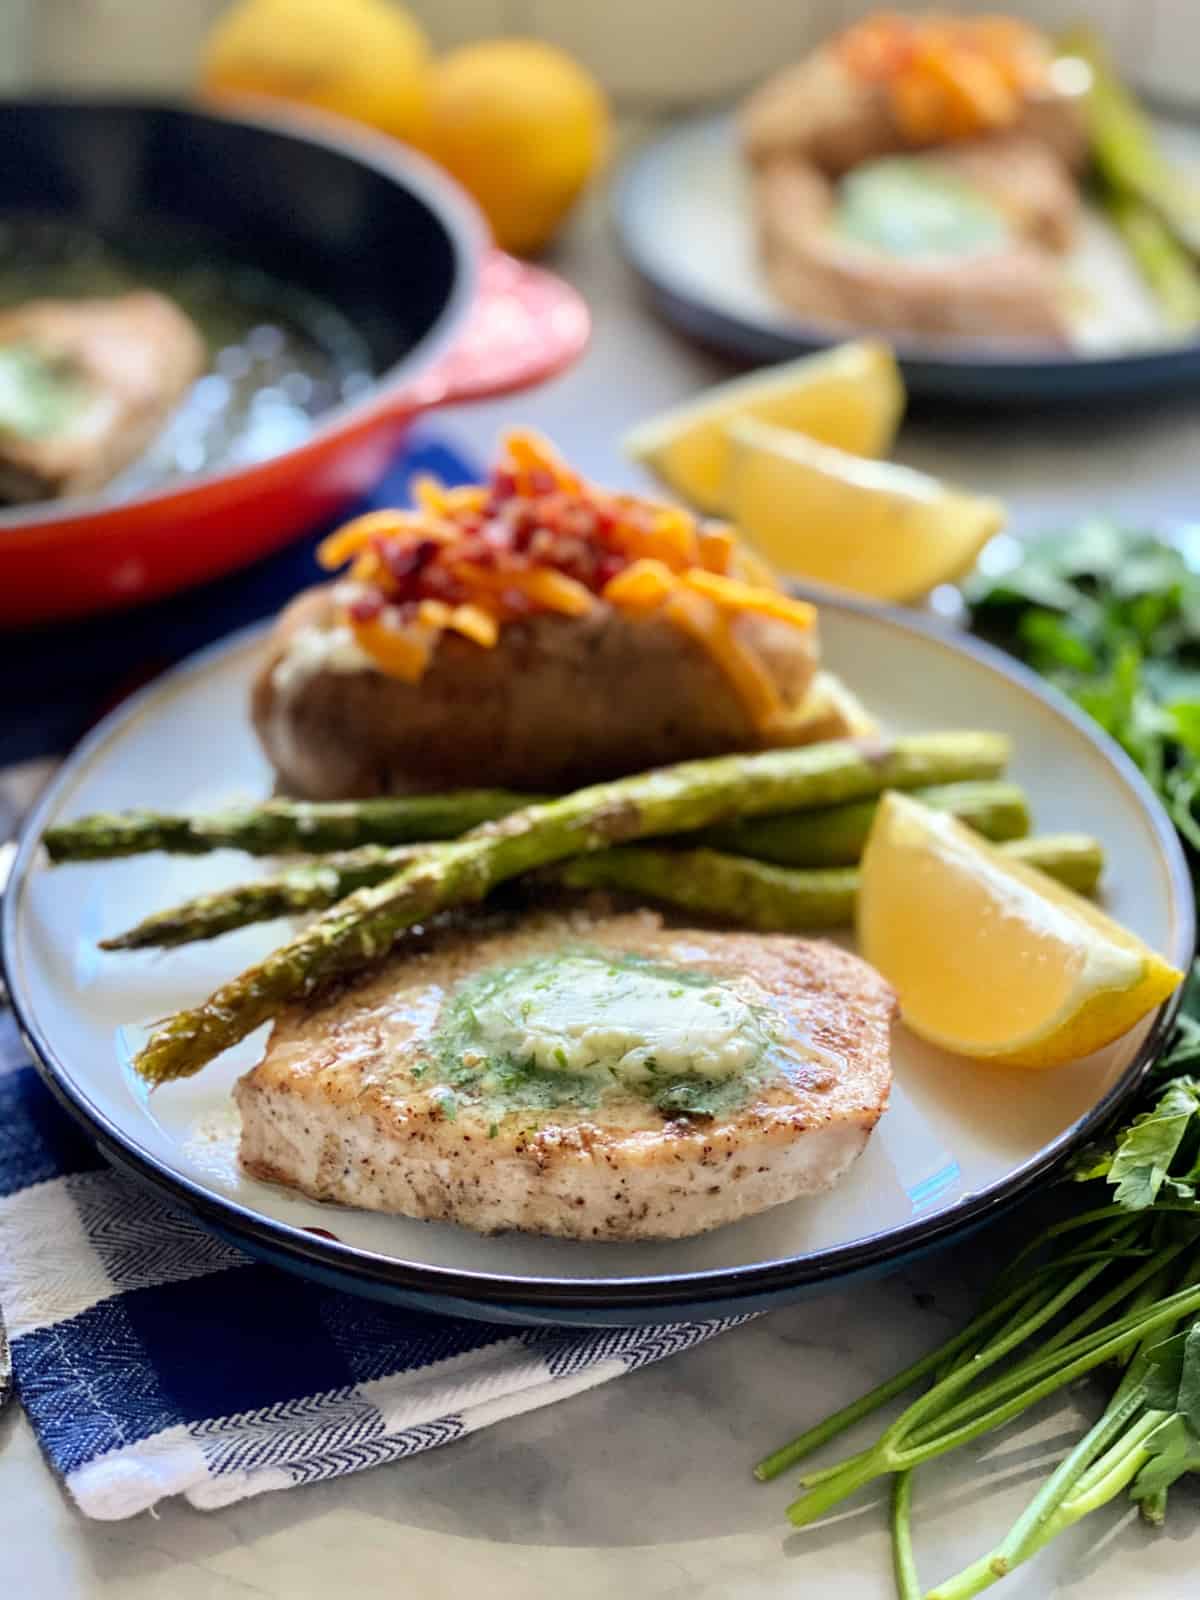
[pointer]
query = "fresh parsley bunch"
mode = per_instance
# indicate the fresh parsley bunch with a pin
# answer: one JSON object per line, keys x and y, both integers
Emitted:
{"x": 1113, "y": 618}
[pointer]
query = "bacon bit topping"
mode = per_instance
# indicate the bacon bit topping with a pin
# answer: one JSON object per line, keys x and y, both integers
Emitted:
{"x": 537, "y": 539}
{"x": 949, "y": 77}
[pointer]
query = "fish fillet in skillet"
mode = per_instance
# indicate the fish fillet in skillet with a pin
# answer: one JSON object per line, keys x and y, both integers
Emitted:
{"x": 590, "y": 1077}
{"x": 85, "y": 385}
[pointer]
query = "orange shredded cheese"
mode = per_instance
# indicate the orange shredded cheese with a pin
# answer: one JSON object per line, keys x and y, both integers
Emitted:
{"x": 731, "y": 595}
{"x": 434, "y": 613}
{"x": 550, "y": 589}
{"x": 643, "y": 586}
{"x": 537, "y": 540}
{"x": 532, "y": 454}
{"x": 354, "y": 536}
{"x": 949, "y": 77}
{"x": 474, "y": 623}
{"x": 400, "y": 652}
{"x": 714, "y": 548}
{"x": 751, "y": 681}
{"x": 428, "y": 493}
{"x": 557, "y": 592}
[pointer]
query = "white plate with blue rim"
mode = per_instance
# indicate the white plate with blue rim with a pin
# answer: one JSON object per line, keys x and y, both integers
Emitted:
{"x": 685, "y": 222}
{"x": 958, "y": 1145}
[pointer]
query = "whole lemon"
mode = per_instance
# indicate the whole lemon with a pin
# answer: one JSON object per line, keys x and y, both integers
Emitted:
{"x": 523, "y": 127}
{"x": 365, "y": 59}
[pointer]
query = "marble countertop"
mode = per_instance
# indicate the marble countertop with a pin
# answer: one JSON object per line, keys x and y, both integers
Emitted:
{"x": 642, "y": 1487}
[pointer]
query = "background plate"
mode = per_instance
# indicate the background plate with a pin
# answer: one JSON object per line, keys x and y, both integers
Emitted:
{"x": 684, "y": 219}
{"x": 957, "y": 1143}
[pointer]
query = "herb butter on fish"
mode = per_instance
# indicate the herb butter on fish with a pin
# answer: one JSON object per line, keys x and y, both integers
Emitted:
{"x": 611, "y": 1018}
{"x": 604, "y": 1078}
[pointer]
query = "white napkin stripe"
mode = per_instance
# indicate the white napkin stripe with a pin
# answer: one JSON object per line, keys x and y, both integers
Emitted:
{"x": 49, "y": 1271}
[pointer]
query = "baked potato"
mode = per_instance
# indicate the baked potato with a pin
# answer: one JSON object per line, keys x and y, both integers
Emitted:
{"x": 534, "y": 633}
{"x": 557, "y": 703}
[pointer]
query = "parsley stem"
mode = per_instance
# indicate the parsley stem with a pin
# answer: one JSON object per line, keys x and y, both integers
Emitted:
{"x": 995, "y": 1350}
{"x": 1081, "y": 1484}
{"x": 822, "y": 1432}
{"x": 1026, "y": 1532}
{"x": 1036, "y": 1379}
{"x": 1071, "y": 1330}
{"x": 1095, "y": 1487}
{"x": 1108, "y": 1213}
{"x": 1153, "y": 1508}
{"x": 904, "y": 1560}
{"x": 1005, "y": 1399}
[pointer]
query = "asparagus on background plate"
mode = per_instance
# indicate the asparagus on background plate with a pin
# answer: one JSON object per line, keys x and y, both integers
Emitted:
{"x": 1153, "y": 206}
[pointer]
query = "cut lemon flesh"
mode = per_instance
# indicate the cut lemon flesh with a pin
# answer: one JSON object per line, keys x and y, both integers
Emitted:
{"x": 872, "y": 527}
{"x": 851, "y": 397}
{"x": 991, "y": 958}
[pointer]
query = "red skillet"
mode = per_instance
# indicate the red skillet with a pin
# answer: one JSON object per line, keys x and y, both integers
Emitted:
{"x": 359, "y": 221}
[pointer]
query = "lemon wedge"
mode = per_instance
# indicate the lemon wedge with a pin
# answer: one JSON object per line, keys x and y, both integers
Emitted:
{"x": 851, "y": 396}
{"x": 872, "y": 527}
{"x": 990, "y": 958}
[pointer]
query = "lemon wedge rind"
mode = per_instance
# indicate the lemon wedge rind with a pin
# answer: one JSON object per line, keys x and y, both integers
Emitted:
{"x": 851, "y": 396}
{"x": 914, "y": 862}
{"x": 874, "y": 528}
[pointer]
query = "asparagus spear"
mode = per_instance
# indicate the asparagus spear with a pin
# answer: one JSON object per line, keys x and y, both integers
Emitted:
{"x": 835, "y": 837}
{"x": 276, "y": 827}
{"x": 309, "y": 886}
{"x": 695, "y": 794}
{"x": 785, "y": 899}
{"x": 1168, "y": 269}
{"x": 1125, "y": 151}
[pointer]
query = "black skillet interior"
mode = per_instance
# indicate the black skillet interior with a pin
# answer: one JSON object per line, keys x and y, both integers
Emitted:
{"x": 142, "y": 178}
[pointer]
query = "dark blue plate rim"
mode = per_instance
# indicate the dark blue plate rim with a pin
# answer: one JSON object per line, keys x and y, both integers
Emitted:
{"x": 975, "y": 371}
{"x": 717, "y": 1291}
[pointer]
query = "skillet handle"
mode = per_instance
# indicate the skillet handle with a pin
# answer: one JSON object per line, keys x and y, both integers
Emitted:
{"x": 526, "y": 325}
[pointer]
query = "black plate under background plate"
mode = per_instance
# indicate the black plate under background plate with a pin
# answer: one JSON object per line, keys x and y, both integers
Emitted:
{"x": 977, "y": 375}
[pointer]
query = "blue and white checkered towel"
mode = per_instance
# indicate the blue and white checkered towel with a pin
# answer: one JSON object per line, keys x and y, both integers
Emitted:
{"x": 153, "y": 1359}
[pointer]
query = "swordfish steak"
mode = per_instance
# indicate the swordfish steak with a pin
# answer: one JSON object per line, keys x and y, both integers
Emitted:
{"x": 593, "y": 1077}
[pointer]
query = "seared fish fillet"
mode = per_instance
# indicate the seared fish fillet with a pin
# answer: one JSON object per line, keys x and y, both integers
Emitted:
{"x": 84, "y": 387}
{"x": 1013, "y": 291}
{"x": 340, "y": 1107}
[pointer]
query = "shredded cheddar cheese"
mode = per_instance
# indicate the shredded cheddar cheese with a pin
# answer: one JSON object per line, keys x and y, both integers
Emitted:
{"x": 537, "y": 540}
{"x": 755, "y": 686}
{"x": 714, "y": 550}
{"x": 643, "y": 586}
{"x": 949, "y": 77}
{"x": 401, "y": 653}
{"x": 475, "y": 624}
{"x": 734, "y": 596}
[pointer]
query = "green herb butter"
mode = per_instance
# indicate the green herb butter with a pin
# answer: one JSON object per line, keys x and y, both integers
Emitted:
{"x": 37, "y": 397}
{"x": 580, "y": 1025}
{"x": 903, "y": 206}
